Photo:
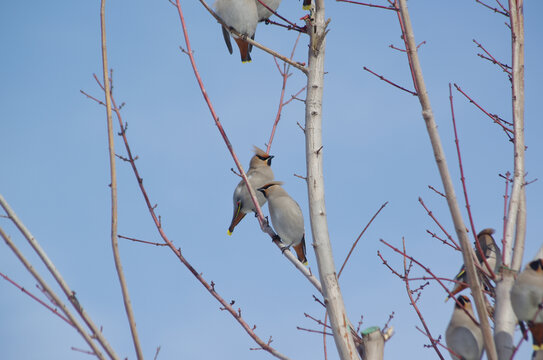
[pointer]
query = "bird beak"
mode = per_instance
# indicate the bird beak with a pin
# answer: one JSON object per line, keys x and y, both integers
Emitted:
{"x": 269, "y": 160}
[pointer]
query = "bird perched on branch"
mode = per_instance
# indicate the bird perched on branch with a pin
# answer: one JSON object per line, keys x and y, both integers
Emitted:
{"x": 286, "y": 217}
{"x": 259, "y": 174}
{"x": 493, "y": 257}
{"x": 242, "y": 16}
{"x": 463, "y": 335}
{"x": 527, "y": 300}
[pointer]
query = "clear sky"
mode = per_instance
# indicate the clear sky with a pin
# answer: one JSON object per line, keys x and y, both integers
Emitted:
{"x": 55, "y": 170}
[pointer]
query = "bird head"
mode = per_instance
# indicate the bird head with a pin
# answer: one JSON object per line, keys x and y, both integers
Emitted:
{"x": 269, "y": 188}
{"x": 463, "y": 302}
{"x": 537, "y": 265}
{"x": 261, "y": 158}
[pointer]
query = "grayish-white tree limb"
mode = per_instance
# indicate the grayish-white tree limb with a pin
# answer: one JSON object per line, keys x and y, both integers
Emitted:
{"x": 373, "y": 344}
{"x": 505, "y": 319}
{"x": 452, "y": 202}
{"x": 315, "y": 186}
{"x": 96, "y": 333}
{"x": 52, "y": 294}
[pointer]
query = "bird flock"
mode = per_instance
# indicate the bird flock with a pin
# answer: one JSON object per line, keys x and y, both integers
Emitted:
{"x": 463, "y": 335}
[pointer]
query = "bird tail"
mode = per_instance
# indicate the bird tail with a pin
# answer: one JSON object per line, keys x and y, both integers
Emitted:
{"x": 307, "y": 5}
{"x": 244, "y": 50}
{"x": 300, "y": 251}
{"x": 238, "y": 215}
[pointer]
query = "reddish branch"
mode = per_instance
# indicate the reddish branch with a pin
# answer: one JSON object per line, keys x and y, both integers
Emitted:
{"x": 494, "y": 117}
{"x": 34, "y": 297}
{"x": 466, "y": 198}
{"x": 437, "y": 191}
{"x": 390, "y": 82}
{"x": 141, "y": 241}
{"x": 505, "y": 68}
{"x": 414, "y": 303}
{"x": 439, "y": 224}
{"x": 358, "y": 238}
{"x": 403, "y": 50}
{"x": 285, "y": 75}
{"x": 428, "y": 271}
{"x": 369, "y": 5}
{"x": 496, "y": 10}
{"x": 444, "y": 241}
{"x": 292, "y": 25}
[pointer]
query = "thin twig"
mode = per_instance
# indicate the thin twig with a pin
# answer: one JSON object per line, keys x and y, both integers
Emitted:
{"x": 504, "y": 13}
{"x": 48, "y": 289}
{"x": 414, "y": 303}
{"x": 358, "y": 238}
{"x": 369, "y": 5}
{"x": 390, "y": 82}
{"x": 430, "y": 213}
{"x": 505, "y": 68}
{"x": 141, "y": 241}
{"x": 34, "y": 297}
{"x": 285, "y": 75}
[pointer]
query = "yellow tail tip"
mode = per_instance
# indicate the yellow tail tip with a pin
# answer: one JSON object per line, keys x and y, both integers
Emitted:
{"x": 538, "y": 347}
{"x": 306, "y": 7}
{"x": 229, "y": 232}
{"x": 305, "y": 263}
{"x": 245, "y": 61}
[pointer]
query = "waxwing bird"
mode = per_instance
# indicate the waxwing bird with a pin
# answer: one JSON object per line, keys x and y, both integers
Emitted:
{"x": 527, "y": 300}
{"x": 493, "y": 257}
{"x": 240, "y": 15}
{"x": 286, "y": 217}
{"x": 259, "y": 174}
{"x": 463, "y": 336}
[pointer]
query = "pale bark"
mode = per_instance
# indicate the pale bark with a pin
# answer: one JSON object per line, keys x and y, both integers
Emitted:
{"x": 315, "y": 185}
{"x": 452, "y": 202}
{"x": 113, "y": 186}
{"x": 516, "y": 218}
{"x": 373, "y": 344}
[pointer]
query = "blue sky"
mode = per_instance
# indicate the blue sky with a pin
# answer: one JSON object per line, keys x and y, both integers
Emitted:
{"x": 55, "y": 170}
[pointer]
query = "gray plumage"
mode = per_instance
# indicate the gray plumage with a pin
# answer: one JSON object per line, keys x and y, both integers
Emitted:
{"x": 259, "y": 174}
{"x": 463, "y": 336}
{"x": 264, "y": 13}
{"x": 240, "y": 15}
{"x": 287, "y": 218}
{"x": 527, "y": 292}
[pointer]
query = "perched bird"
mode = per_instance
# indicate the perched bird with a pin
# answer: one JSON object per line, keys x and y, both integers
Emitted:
{"x": 463, "y": 336}
{"x": 527, "y": 300}
{"x": 263, "y": 13}
{"x": 286, "y": 217}
{"x": 493, "y": 257}
{"x": 259, "y": 174}
{"x": 242, "y": 16}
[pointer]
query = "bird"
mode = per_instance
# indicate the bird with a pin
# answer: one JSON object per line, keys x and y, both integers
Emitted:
{"x": 263, "y": 12}
{"x": 527, "y": 300}
{"x": 463, "y": 335}
{"x": 242, "y": 16}
{"x": 493, "y": 257}
{"x": 306, "y": 5}
{"x": 287, "y": 218}
{"x": 259, "y": 174}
